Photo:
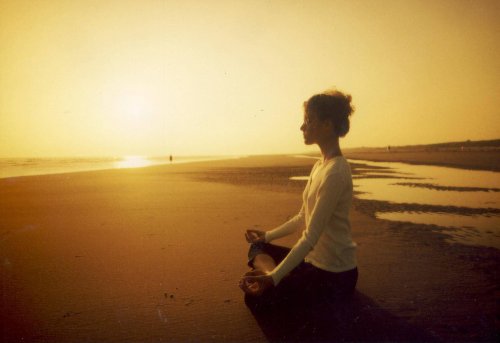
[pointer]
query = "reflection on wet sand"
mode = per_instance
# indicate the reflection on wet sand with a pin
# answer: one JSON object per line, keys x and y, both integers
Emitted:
{"x": 133, "y": 162}
{"x": 465, "y": 202}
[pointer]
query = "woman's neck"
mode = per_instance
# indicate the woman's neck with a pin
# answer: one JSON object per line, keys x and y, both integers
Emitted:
{"x": 330, "y": 149}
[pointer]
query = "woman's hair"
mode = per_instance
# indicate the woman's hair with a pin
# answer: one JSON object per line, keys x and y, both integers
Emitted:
{"x": 332, "y": 105}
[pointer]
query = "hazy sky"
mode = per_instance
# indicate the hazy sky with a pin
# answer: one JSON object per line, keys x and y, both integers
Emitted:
{"x": 85, "y": 77}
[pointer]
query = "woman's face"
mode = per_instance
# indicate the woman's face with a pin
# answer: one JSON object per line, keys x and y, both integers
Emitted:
{"x": 310, "y": 128}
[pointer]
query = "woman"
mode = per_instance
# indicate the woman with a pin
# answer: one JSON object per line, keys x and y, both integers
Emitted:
{"x": 321, "y": 266}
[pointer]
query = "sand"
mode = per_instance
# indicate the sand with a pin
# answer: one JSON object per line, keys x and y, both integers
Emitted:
{"x": 155, "y": 254}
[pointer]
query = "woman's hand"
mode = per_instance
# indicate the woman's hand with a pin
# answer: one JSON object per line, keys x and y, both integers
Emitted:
{"x": 255, "y": 282}
{"x": 255, "y": 236}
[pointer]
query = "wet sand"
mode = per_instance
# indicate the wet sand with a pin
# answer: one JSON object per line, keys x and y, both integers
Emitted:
{"x": 155, "y": 254}
{"x": 477, "y": 159}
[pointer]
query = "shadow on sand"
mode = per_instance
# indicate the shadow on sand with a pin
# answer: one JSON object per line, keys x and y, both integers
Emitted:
{"x": 360, "y": 319}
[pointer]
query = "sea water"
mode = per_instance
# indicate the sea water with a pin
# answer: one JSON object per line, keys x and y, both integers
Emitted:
{"x": 13, "y": 167}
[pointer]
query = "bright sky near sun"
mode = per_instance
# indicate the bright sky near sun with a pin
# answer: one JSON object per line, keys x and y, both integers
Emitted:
{"x": 153, "y": 77}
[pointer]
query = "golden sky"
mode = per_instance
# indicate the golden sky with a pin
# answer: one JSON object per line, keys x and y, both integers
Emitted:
{"x": 152, "y": 77}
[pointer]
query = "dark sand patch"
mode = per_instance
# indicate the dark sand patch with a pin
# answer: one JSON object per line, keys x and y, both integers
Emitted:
{"x": 446, "y": 188}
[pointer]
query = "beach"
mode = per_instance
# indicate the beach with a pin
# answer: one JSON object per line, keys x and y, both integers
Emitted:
{"x": 156, "y": 253}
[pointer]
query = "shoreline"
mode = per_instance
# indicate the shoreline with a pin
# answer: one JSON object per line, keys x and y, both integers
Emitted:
{"x": 147, "y": 253}
{"x": 103, "y": 163}
{"x": 469, "y": 160}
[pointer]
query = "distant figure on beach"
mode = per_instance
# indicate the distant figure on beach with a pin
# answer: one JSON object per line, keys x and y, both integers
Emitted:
{"x": 321, "y": 266}
{"x": 389, "y": 148}
{"x": 171, "y": 158}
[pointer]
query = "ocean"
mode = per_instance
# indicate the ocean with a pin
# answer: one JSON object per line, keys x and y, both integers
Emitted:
{"x": 15, "y": 167}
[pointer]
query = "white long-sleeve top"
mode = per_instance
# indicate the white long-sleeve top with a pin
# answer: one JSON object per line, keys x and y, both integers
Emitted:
{"x": 326, "y": 240}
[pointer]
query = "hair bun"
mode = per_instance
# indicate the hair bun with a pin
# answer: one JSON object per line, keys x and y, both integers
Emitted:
{"x": 335, "y": 106}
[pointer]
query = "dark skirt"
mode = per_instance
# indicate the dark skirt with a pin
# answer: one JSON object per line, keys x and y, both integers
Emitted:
{"x": 306, "y": 285}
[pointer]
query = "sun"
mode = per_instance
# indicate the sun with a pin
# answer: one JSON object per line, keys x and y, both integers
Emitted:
{"x": 133, "y": 110}
{"x": 134, "y": 118}
{"x": 133, "y": 105}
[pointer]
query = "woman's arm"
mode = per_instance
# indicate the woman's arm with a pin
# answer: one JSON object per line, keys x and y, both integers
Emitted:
{"x": 326, "y": 202}
{"x": 287, "y": 228}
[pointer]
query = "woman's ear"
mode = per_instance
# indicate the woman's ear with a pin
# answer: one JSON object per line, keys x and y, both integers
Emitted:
{"x": 330, "y": 127}
{"x": 328, "y": 124}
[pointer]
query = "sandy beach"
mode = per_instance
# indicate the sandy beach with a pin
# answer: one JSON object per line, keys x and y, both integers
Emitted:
{"x": 155, "y": 254}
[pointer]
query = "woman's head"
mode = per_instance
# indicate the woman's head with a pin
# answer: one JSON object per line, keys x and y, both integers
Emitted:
{"x": 327, "y": 114}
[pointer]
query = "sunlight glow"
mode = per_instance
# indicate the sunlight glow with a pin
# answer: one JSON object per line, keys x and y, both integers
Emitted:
{"x": 133, "y": 162}
{"x": 158, "y": 77}
{"x": 133, "y": 106}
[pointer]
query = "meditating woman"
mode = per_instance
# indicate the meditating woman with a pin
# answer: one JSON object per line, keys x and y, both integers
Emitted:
{"x": 321, "y": 266}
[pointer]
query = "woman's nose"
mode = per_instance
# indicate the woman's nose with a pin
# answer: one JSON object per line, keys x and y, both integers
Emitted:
{"x": 302, "y": 127}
